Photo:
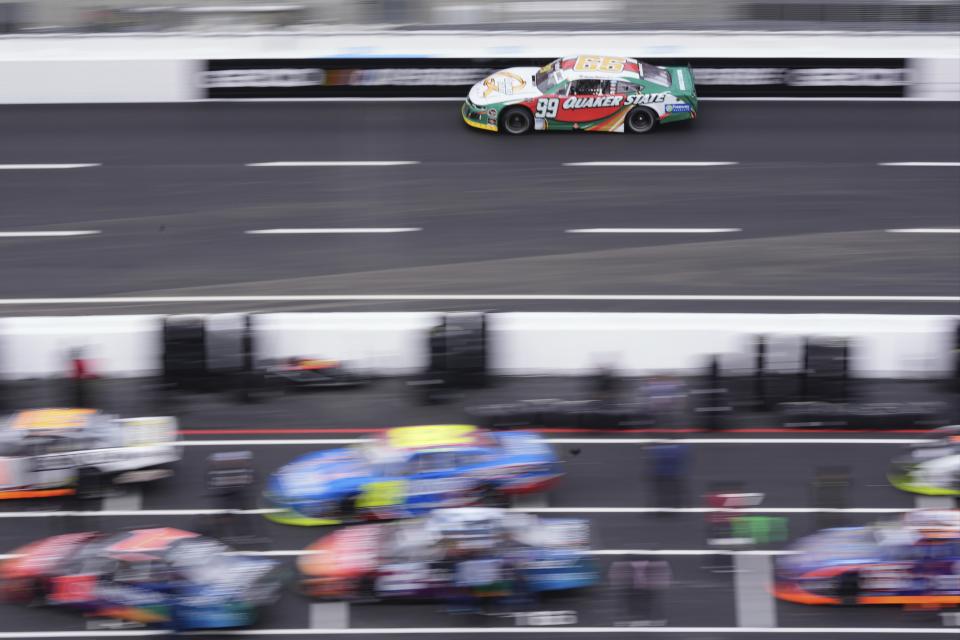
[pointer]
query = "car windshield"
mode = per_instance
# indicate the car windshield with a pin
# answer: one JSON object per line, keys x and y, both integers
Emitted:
{"x": 201, "y": 561}
{"x": 548, "y": 76}
{"x": 655, "y": 74}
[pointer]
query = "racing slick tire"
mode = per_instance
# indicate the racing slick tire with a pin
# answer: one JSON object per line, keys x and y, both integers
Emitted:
{"x": 91, "y": 483}
{"x": 488, "y": 495}
{"x": 641, "y": 120}
{"x": 348, "y": 511}
{"x": 23, "y": 591}
{"x": 516, "y": 121}
{"x": 847, "y": 588}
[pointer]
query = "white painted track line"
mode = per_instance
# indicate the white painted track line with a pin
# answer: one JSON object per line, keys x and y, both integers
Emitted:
{"x": 46, "y": 234}
{"x": 753, "y": 583}
{"x": 919, "y": 164}
{"x": 13, "y": 515}
{"x": 477, "y": 298}
{"x": 334, "y": 163}
{"x": 612, "y": 441}
{"x": 452, "y": 632}
{"x": 30, "y": 167}
{"x": 127, "y": 498}
{"x": 926, "y": 230}
{"x": 645, "y": 163}
{"x": 655, "y": 230}
{"x": 344, "y": 230}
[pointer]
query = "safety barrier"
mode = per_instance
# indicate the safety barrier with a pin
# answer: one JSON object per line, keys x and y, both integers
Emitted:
{"x": 881, "y": 346}
{"x": 177, "y": 68}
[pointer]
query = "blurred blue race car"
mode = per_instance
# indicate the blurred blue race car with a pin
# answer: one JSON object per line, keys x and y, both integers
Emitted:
{"x": 911, "y": 561}
{"x": 407, "y": 472}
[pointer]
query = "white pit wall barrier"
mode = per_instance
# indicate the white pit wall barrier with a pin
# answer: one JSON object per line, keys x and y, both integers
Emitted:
{"x": 389, "y": 343}
{"x": 119, "y": 346}
{"x": 644, "y": 343}
{"x": 98, "y": 81}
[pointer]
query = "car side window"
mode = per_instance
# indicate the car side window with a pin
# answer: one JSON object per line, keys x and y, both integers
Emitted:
{"x": 620, "y": 87}
{"x": 433, "y": 462}
{"x": 590, "y": 87}
{"x": 132, "y": 572}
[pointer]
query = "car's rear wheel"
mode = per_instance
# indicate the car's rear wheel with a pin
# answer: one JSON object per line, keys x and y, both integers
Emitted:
{"x": 641, "y": 120}
{"x": 348, "y": 511}
{"x": 847, "y": 588}
{"x": 516, "y": 121}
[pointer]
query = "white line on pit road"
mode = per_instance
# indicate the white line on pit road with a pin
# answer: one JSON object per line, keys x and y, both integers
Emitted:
{"x": 46, "y": 234}
{"x": 10, "y": 515}
{"x": 477, "y": 298}
{"x": 334, "y": 230}
{"x": 919, "y": 164}
{"x": 450, "y": 632}
{"x": 614, "y": 441}
{"x": 655, "y": 230}
{"x": 335, "y": 163}
{"x": 753, "y": 583}
{"x": 17, "y": 167}
{"x": 650, "y": 163}
{"x": 926, "y": 230}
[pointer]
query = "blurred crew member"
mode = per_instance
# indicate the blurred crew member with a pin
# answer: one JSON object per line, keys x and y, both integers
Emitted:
{"x": 639, "y": 587}
{"x": 668, "y": 463}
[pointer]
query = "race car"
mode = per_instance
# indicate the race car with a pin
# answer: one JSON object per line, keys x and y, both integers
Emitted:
{"x": 419, "y": 558}
{"x": 582, "y": 93}
{"x": 163, "y": 576}
{"x": 55, "y": 452}
{"x": 931, "y": 468}
{"x": 407, "y": 472}
{"x": 313, "y": 373}
{"x": 913, "y": 560}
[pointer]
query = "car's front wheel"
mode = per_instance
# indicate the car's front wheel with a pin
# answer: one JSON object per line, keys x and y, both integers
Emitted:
{"x": 516, "y": 121}
{"x": 641, "y": 120}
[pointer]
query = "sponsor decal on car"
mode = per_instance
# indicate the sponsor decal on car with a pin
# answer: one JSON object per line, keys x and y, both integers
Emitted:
{"x": 677, "y": 107}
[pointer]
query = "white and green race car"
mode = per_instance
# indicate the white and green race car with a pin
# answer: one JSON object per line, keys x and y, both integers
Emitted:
{"x": 584, "y": 93}
{"x": 930, "y": 468}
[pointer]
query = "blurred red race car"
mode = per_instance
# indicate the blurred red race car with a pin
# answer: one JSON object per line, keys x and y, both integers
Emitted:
{"x": 163, "y": 576}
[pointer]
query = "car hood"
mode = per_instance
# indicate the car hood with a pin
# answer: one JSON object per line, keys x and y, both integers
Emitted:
{"x": 514, "y": 84}
{"x": 324, "y": 473}
{"x": 42, "y": 556}
{"x": 831, "y": 547}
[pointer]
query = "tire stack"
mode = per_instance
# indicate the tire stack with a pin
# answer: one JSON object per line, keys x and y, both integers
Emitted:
{"x": 457, "y": 348}
{"x": 185, "y": 352}
{"x": 210, "y": 353}
{"x": 826, "y": 370}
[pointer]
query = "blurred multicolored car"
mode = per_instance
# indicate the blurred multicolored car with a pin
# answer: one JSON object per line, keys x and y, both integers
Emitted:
{"x": 163, "y": 576}
{"x": 914, "y": 560}
{"x": 582, "y": 93}
{"x": 407, "y": 472}
{"x": 930, "y": 468}
{"x": 55, "y": 452}
{"x": 418, "y": 558}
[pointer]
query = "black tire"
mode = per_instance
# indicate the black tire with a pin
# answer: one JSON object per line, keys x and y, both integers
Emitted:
{"x": 641, "y": 120}
{"x": 848, "y": 588}
{"x": 490, "y": 496}
{"x": 91, "y": 483}
{"x": 365, "y": 591}
{"x": 348, "y": 511}
{"x": 516, "y": 121}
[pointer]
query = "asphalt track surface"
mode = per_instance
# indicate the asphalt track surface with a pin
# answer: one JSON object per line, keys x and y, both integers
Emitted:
{"x": 606, "y": 482}
{"x": 173, "y": 199}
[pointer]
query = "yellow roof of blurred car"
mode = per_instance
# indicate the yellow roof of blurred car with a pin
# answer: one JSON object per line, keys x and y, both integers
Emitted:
{"x": 429, "y": 436}
{"x": 52, "y": 419}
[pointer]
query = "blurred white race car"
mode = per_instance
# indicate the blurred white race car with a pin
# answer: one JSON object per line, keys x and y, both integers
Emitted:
{"x": 56, "y": 452}
{"x": 931, "y": 468}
